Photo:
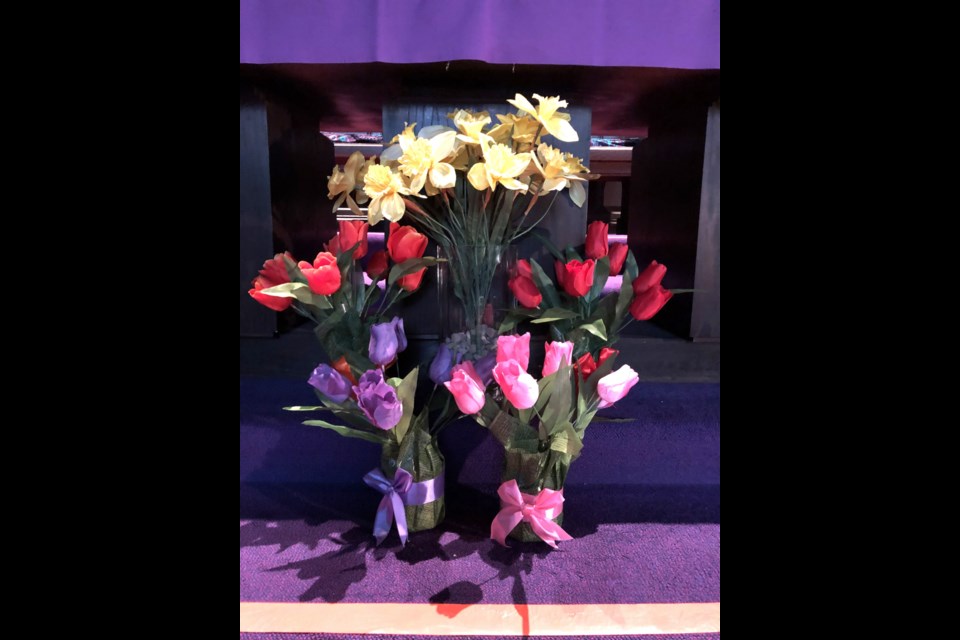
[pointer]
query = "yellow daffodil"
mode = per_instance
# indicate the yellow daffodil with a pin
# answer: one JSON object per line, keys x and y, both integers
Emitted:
{"x": 384, "y": 188}
{"x": 556, "y": 124}
{"x": 342, "y": 183}
{"x": 500, "y": 166}
{"x": 470, "y": 125}
{"x": 559, "y": 171}
{"x": 425, "y": 158}
{"x": 520, "y": 129}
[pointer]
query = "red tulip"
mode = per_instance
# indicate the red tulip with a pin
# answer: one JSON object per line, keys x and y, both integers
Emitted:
{"x": 405, "y": 243}
{"x": 586, "y": 365}
{"x": 343, "y": 367}
{"x": 618, "y": 254}
{"x": 323, "y": 275}
{"x": 578, "y": 277}
{"x": 274, "y": 272}
{"x": 649, "y": 277}
{"x": 561, "y": 271}
{"x": 333, "y": 246}
{"x": 377, "y": 265}
{"x": 270, "y": 302}
{"x": 525, "y": 291}
{"x": 605, "y": 353}
{"x": 647, "y": 304}
{"x": 352, "y": 232}
{"x": 524, "y": 269}
{"x": 597, "y": 240}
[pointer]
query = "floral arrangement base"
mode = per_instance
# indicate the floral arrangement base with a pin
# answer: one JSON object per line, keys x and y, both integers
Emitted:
{"x": 524, "y": 533}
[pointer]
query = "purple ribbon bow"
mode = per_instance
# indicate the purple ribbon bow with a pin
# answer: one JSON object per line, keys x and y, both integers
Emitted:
{"x": 397, "y": 493}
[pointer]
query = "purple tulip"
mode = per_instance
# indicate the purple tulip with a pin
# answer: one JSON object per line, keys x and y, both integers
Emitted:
{"x": 484, "y": 367}
{"x": 401, "y": 336}
{"x": 384, "y": 343}
{"x": 441, "y": 365}
{"x": 330, "y": 383}
{"x": 378, "y": 400}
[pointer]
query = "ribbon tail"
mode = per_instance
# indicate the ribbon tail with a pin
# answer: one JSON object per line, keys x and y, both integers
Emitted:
{"x": 505, "y": 522}
{"x": 549, "y": 531}
{"x": 401, "y": 515}
{"x": 383, "y": 520}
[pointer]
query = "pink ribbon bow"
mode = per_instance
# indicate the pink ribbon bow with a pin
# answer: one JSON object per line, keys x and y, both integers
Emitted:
{"x": 539, "y": 511}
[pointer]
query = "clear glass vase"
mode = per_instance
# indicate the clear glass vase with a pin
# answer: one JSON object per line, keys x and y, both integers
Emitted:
{"x": 474, "y": 295}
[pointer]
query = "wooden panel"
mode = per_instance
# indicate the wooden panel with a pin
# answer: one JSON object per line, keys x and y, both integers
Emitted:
{"x": 705, "y": 323}
{"x": 663, "y": 221}
{"x": 256, "y": 242}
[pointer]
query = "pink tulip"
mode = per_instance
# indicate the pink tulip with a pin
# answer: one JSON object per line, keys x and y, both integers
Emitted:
{"x": 518, "y": 385}
{"x": 466, "y": 387}
{"x": 514, "y": 348}
{"x": 614, "y": 386}
{"x": 559, "y": 354}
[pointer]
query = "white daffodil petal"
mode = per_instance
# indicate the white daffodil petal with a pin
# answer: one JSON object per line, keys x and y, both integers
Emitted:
{"x": 393, "y": 208}
{"x": 361, "y": 197}
{"x": 433, "y": 130}
{"x": 561, "y": 130}
{"x": 478, "y": 176}
{"x": 373, "y": 212}
{"x": 523, "y": 104}
{"x": 553, "y": 184}
{"x": 441, "y": 145}
{"x": 391, "y": 154}
{"x": 577, "y": 193}
{"x": 353, "y": 206}
{"x": 443, "y": 176}
{"x": 354, "y": 162}
{"x": 513, "y": 183}
{"x": 338, "y": 202}
{"x": 416, "y": 183}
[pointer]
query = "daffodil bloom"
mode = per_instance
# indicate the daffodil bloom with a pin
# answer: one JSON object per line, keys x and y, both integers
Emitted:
{"x": 343, "y": 183}
{"x": 559, "y": 171}
{"x": 556, "y": 124}
{"x": 470, "y": 125}
{"x": 500, "y": 166}
{"x": 521, "y": 129}
{"x": 384, "y": 188}
{"x": 425, "y": 158}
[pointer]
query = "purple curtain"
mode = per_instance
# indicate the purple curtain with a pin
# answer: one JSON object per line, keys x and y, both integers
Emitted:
{"x": 682, "y": 34}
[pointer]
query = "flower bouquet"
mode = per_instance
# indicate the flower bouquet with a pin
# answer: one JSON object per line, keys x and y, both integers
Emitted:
{"x": 381, "y": 410}
{"x": 470, "y": 188}
{"x": 576, "y": 308}
{"x": 337, "y": 296}
{"x": 540, "y": 424}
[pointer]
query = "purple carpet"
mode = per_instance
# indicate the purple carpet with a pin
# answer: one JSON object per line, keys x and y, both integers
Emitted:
{"x": 646, "y": 529}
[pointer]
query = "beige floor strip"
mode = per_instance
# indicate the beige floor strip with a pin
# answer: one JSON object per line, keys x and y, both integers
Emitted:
{"x": 480, "y": 619}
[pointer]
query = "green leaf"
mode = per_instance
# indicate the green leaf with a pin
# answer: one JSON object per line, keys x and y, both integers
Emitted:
{"x": 410, "y": 266}
{"x": 554, "y": 314}
{"x": 624, "y": 298}
{"x": 348, "y": 432}
{"x": 293, "y": 270}
{"x": 305, "y": 408}
{"x": 405, "y": 393}
{"x": 596, "y": 328}
{"x": 567, "y": 440}
{"x": 570, "y": 253}
{"x": 515, "y": 317}
{"x": 544, "y": 284}
{"x": 299, "y": 291}
{"x": 600, "y": 273}
{"x": 630, "y": 268}
{"x": 560, "y": 404}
